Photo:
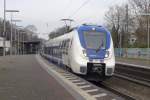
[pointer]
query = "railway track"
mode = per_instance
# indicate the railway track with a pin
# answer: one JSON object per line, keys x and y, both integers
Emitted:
{"x": 133, "y": 73}
{"x": 114, "y": 90}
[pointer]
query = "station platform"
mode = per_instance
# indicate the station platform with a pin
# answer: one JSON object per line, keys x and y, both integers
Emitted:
{"x": 23, "y": 78}
{"x": 140, "y": 62}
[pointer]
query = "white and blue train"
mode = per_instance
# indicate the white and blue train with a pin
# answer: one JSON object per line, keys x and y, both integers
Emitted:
{"x": 87, "y": 50}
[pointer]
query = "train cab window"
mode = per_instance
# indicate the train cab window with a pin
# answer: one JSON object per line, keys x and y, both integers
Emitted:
{"x": 95, "y": 40}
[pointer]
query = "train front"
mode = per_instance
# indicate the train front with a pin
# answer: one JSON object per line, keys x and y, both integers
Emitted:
{"x": 96, "y": 52}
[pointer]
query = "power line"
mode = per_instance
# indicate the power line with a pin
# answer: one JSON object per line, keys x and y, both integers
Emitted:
{"x": 66, "y": 8}
{"x": 84, "y": 3}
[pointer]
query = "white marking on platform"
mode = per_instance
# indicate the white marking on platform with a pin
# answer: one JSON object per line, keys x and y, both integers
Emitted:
{"x": 66, "y": 74}
{"x": 69, "y": 77}
{"x": 62, "y": 72}
{"x": 77, "y": 80}
{"x": 92, "y": 90}
{"x": 100, "y": 95}
{"x": 85, "y": 86}
{"x": 81, "y": 83}
{"x": 72, "y": 78}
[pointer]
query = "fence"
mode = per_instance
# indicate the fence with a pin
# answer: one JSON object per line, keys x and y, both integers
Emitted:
{"x": 142, "y": 53}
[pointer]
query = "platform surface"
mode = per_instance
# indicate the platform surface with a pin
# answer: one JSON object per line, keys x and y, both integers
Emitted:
{"x": 22, "y": 78}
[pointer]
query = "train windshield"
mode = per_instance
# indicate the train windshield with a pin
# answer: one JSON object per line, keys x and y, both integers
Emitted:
{"x": 95, "y": 40}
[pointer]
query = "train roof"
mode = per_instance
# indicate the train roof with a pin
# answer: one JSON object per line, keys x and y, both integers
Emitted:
{"x": 83, "y": 27}
{"x": 86, "y": 27}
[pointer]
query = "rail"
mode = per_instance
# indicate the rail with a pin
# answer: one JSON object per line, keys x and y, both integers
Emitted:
{"x": 135, "y": 73}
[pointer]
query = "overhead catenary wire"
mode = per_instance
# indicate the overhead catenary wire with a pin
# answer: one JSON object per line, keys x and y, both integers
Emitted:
{"x": 76, "y": 11}
{"x": 85, "y": 3}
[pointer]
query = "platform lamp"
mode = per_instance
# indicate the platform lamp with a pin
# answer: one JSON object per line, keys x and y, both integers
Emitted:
{"x": 19, "y": 37}
{"x": 148, "y": 31}
{"x": 148, "y": 34}
{"x": 23, "y": 40}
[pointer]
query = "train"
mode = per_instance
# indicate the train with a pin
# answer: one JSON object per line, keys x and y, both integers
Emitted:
{"x": 87, "y": 50}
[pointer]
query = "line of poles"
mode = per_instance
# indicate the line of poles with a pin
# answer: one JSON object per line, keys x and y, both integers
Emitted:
{"x": 16, "y": 43}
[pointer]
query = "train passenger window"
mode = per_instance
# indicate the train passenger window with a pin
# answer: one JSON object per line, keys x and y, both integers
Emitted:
{"x": 60, "y": 45}
{"x": 71, "y": 42}
{"x": 63, "y": 44}
{"x": 68, "y": 42}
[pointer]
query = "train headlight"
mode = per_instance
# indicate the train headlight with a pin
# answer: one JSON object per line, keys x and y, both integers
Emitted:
{"x": 107, "y": 54}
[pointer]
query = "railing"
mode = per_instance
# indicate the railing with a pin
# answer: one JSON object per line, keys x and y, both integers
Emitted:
{"x": 142, "y": 53}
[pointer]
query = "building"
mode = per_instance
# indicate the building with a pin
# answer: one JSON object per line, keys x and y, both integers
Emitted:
{"x": 7, "y": 45}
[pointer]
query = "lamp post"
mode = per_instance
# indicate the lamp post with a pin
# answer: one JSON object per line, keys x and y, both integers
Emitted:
{"x": 19, "y": 38}
{"x": 11, "y": 39}
{"x": 148, "y": 31}
{"x": 16, "y": 41}
{"x": 4, "y": 28}
{"x": 22, "y": 40}
{"x": 4, "y": 33}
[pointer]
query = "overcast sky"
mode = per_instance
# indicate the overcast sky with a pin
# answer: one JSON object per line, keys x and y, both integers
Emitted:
{"x": 46, "y": 14}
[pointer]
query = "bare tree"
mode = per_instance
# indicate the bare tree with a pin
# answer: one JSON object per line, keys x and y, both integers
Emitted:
{"x": 115, "y": 19}
{"x": 31, "y": 31}
{"x": 31, "y": 28}
{"x": 126, "y": 20}
{"x": 139, "y": 7}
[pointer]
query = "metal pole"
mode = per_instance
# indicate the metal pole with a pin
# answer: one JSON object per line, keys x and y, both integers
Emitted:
{"x": 18, "y": 42}
{"x": 148, "y": 37}
{"x": 120, "y": 44}
{"x": 148, "y": 33}
{"x": 15, "y": 40}
{"x": 11, "y": 39}
{"x": 4, "y": 28}
{"x": 23, "y": 43}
